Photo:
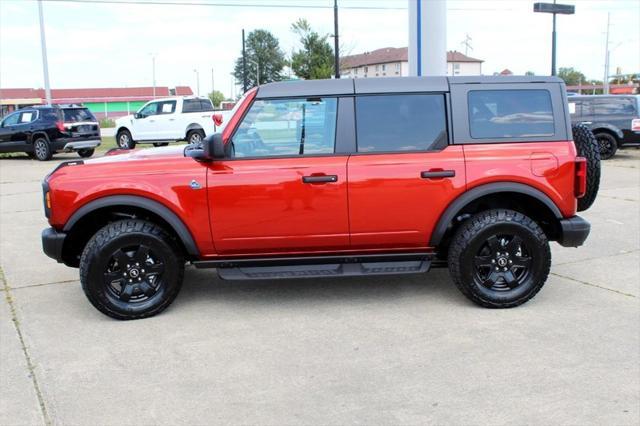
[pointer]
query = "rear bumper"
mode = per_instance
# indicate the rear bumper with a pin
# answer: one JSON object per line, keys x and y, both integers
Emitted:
{"x": 573, "y": 231}
{"x": 52, "y": 242}
{"x": 77, "y": 145}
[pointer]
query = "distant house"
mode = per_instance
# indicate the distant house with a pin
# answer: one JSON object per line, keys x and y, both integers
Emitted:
{"x": 103, "y": 102}
{"x": 394, "y": 62}
{"x": 505, "y": 71}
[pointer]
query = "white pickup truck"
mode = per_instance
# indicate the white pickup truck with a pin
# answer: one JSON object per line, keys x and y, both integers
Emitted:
{"x": 168, "y": 120}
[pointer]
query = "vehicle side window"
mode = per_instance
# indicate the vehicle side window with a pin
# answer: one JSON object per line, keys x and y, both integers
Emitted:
{"x": 497, "y": 114}
{"x": 191, "y": 105}
{"x": 401, "y": 123}
{"x": 167, "y": 107}
{"x": 205, "y": 105}
{"x": 288, "y": 127}
{"x": 621, "y": 106}
{"x": 149, "y": 109}
{"x": 11, "y": 120}
{"x": 28, "y": 117}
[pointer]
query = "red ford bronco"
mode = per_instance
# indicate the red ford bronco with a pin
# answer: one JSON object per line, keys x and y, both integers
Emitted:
{"x": 333, "y": 178}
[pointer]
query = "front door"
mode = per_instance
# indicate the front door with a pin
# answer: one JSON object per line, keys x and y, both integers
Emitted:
{"x": 283, "y": 190}
{"x": 144, "y": 126}
{"x": 404, "y": 174}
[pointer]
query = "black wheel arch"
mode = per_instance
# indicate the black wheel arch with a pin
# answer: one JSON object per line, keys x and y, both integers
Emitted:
{"x": 89, "y": 218}
{"x": 611, "y": 130}
{"x": 513, "y": 195}
{"x": 37, "y": 134}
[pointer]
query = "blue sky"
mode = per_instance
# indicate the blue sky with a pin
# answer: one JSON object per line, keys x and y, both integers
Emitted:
{"x": 103, "y": 45}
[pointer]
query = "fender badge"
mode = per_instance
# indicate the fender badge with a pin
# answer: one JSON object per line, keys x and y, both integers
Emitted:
{"x": 195, "y": 185}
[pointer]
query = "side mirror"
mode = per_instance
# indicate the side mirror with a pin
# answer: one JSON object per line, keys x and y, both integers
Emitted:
{"x": 138, "y": 115}
{"x": 214, "y": 146}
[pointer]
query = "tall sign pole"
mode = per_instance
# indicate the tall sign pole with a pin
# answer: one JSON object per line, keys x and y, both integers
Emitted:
{"x": 563, "y": 9}
{"x": 45, "y": 62}
{"x": 427, "y": 37}
{"x": 336, "y": 43}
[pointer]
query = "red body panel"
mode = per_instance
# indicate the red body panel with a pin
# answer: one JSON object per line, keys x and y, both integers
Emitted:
{"x": 546, "y": 166}
{"x": 391, "y": 206}
{"x": 262, "y": 206}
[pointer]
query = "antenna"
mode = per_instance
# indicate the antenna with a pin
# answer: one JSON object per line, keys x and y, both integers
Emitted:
{"x": 467, "y": 44}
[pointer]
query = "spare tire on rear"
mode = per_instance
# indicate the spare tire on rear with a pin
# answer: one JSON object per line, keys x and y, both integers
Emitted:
{"x": 587, "y": 147}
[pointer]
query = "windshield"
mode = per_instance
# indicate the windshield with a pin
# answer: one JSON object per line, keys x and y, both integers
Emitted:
{"x": 77, "y": 115}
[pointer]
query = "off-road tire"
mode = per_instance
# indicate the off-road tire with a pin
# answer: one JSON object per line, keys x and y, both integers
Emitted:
{"x": 124, "y": 140}
{"x": 192, "y": 136}
{"x": 470, "y": 237}
{"x": 607, "y": 145}
{"x": 118, "y": 235}
{"x": 41, "y": 149}
{"x": 587, "y": 147}
{"x": 86, "y": 153}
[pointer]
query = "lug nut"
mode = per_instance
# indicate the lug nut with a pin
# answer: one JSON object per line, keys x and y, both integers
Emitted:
{"x": 497, "y": 269}
{"x": 137, "y": 264}
{"x": 504, "y": 269}
{"x": 511, "y": 261}
{"x": 130, "y": 281}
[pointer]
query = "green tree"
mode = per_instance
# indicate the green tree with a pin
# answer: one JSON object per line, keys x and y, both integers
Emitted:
{"x": 571, "y": 76}
{"x": 263, "y": 52}
{"x": 315, "y": 60}
{"x": 530, "y": 73}
{"x": 216, "y": 97}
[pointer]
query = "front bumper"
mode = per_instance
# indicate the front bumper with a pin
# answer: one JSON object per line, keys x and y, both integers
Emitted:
{"x": 52, "y": 242}
{"x": 573, "y": 231}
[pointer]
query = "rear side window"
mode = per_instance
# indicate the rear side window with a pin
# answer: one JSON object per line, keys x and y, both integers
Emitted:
{"x": 611, "y": 106}
{"x": 28, "y": 117}
{"x": 77, "y": 115}
{"x": 400, "y": 123}
{"x": 495, "y": 114}
{"x": 288, "y": 127}
{"x": 196, "y": 105}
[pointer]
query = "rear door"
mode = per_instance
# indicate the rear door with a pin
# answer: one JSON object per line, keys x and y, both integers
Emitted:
{"x": 283, "y": 189}
{"x": 404, "y": 173}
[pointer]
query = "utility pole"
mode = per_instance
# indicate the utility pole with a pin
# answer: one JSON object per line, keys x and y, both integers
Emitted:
{"x": 336, "y": 40}
{"x": 153, "y": 72}
{"x": 244, "y": 65}
{"x": 213, "y": 88}
{"x": 605, "y": 82}
{"x": 45, "y": 62}
{"x": 197, "y": 81}
{"x": 467, "y": 44}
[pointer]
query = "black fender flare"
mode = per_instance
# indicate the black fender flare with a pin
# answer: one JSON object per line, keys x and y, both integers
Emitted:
{"x": 480, "y": 191}
{"x": 155, "y": 207}
{"x": 599, "y": 127}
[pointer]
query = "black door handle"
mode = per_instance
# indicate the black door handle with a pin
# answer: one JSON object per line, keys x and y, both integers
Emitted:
{"x": 437, "y": 174}
{"x": 319, "y": 179}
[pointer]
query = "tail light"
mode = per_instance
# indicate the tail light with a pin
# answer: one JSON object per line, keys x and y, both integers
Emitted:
{"x": 635, "y": 125}
{"x": 60, "y": 126}
{"x": 217, "y": 119}
{"x": 581, "y": 177}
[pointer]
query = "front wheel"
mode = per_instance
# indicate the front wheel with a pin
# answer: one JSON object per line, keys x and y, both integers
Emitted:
{"x": 195, "y": 136}
{"x": 499, "y": 258}
{"x": 131, "y": 269}
{"x": 124, "y": 140}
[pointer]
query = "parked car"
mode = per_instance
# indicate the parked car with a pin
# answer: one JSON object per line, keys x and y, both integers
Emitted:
{"x": 329, "y": 178}
{"x": 168, "y": 120}
{"x": 41, "y": 131}
{"x": 614, "y": 119}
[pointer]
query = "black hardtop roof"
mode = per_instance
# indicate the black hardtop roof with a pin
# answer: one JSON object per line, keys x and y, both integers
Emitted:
{"x": 350, "y": 86}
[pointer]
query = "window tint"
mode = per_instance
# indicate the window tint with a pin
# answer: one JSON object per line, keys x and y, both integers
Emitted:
{"x": 192, "y": 105}
{"x": 76, "y": 115}
{"x": 11, "y": 120}
{"x": 510, "y": 114}
{"x": 205, "y": 105}
{"x": 611, "y": 106}
{"x": 400, "y": 123}
{"x": 287, "y": 127}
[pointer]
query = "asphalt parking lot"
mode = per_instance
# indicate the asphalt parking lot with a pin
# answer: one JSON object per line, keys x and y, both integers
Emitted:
{"x": 386, "y": 350}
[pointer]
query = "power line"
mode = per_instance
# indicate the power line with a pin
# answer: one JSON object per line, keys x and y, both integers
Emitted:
{"x": 216, "y": 4}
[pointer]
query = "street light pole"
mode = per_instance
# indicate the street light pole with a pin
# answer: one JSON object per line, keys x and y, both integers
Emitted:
{"x": 213, "y": 89}
{"x": 605, "y": 82}
{"x": 153, "y": 74}
{"x": 336, "y": 44}
{"x": 197, "y": 81}
{"x": 45, "y": 62}
{"x": 244, "y": 65}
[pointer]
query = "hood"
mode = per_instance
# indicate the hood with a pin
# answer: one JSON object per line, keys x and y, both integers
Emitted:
{"x": 116, "y": 156}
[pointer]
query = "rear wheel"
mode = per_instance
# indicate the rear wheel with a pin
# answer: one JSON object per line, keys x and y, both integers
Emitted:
{"x": 131, "y": 269}
{"x": 499, "y": 258}
{"x": 608, "y": 145}
{"x": 195, "y": 136}
{"x": 124, "y": 140}
{"x": 42, "y": 149}
{"x": 86, "y": 153}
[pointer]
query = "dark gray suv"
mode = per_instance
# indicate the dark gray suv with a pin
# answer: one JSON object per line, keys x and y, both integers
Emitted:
{"x": 614, "y": 119}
